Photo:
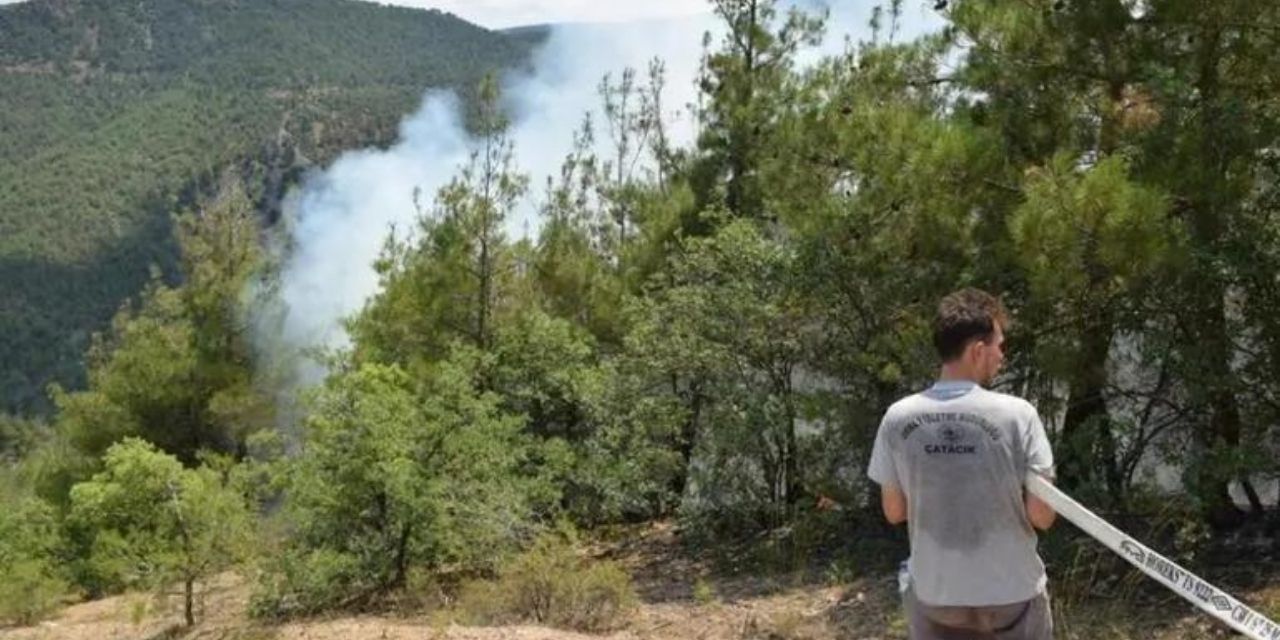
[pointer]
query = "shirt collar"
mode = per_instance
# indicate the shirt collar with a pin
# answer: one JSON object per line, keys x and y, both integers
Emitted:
{"x": 948, "y": 389}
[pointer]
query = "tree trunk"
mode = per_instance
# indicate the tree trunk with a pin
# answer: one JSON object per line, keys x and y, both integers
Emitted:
{"x": 1223, "y": 429}
{"x": 791, "y": 485}
{"x": 791, "y": 463}
{"x": 1210, "y": 323}
{"x": 742, "y": 138}
{"x": 1087, "y": 442}
{"x": 402, "y": 556}
{"x": 482, "y": 321}
{"x": 1256, "y": 508}
{"x": 1086, "y": 418}
{"x": 687, "y": 439}
{"x": 188, "y": 601}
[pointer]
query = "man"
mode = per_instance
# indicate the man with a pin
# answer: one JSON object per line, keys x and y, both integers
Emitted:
{"x": 950, "y": 462}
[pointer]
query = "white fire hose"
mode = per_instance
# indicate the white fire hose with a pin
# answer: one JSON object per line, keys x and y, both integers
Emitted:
{"x": 1211, "y": 599}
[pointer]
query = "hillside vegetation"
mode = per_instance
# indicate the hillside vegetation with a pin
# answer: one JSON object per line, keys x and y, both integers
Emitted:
{"x": 115, "y": 114}
{"x": 700, "y": 343}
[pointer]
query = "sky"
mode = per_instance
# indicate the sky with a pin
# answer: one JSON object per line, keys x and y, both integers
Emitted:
{"x": 500, "y": 14}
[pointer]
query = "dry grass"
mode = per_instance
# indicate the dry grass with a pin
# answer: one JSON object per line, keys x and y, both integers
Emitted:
{"x": 684, "y": 597}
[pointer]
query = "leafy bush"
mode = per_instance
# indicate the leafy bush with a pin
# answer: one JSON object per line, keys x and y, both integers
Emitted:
{"x": 147, "y": 521}
{"x": 703, "y": 592}
{"x": 397, "y": 474}
{"x": 30, "y": 583}
{"x": 18, "y": 437}
{"x": 29, "y": 590}
{"x": 550, "y": 584}
{"x": 303, "y": 583}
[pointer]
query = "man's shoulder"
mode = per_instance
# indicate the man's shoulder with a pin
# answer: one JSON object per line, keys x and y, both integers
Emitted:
{"x": 905, "y": 405}
{"x": 1008, "y": 402}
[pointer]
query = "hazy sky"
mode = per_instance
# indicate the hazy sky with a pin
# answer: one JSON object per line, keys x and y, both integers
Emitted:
{"x": 497, "y": 14}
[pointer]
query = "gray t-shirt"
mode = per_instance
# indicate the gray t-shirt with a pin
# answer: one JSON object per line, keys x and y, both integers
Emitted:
{"x": 959, "y": 453}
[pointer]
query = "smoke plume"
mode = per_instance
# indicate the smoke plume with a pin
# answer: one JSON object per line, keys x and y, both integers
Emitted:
{"x": 337, "y": 220}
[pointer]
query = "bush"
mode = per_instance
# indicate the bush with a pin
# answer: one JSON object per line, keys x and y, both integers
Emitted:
{"x": 703, "y": 592}
{"x": 396, "y": 473}
{"x": 30, "y": 584}
{"x": 550, "y": 584}
{"x": 146, "y": 521}
{"x": 305, "y": 583}
{"x": 29, "y": 590}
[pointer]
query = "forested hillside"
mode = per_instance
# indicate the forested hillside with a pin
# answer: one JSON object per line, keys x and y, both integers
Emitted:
{"x": 114, "y": 114}
{"x": 701, "y": 339}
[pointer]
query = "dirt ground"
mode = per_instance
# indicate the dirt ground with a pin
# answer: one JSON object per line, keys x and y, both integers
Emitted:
{"x": 725, "y": 608}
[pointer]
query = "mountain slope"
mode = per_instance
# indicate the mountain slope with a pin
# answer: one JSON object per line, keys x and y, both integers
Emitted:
{"x": 115, "y": 114}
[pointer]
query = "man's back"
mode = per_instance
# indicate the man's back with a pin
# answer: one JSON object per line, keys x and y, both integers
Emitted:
{"x": 959, "y": 453}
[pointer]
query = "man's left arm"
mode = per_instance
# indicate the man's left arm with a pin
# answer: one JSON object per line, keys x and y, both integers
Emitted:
{"x": 894, "y": 504}
{"x": 884, "y": 472}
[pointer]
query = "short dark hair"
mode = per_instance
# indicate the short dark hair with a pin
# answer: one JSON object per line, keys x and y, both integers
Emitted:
{"x": 963, "y": 316}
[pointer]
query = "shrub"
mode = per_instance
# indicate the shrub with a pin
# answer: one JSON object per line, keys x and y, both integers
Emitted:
{"x": 550, "y": 584}
{"x": 146, "y": 521}
{"x": 703, "y": 593}
{"x": 396, "y": 473}
{"x": 29, "y": 590}
{"x": 304, "y": 583}
{"x": 30, "y": 584}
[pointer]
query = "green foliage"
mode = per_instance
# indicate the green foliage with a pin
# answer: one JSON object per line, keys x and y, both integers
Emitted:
{"x": 455, "y": 281}
{"x": 176, "y": 370}
{"x": 1092, "y": 243}
{"x": 30, "y": 591}
{"x": 31, "y": 582}
{"x": 396, "y": 473}
{"x": 1088, "y": 84}
{"x": 52, "y": 469}
{"x": 606, "y": 440}
{"x": 542, "y": 367}
{"x": 145, "y": 521}
{"x": 734, "y": 323}
{"x": 1092, "y": 232}
{"x": 552, "y": 584}
{"x": 703, "y": 592}
{"x": 115, "y": 115}
{"x": 301, "y": 581}
{"x": 714, "y": 335}
{"x": 18, "y": 437}
{"x": 745, "y": 79}
{"x": 629, "y": 464}
{"x": 461, "y": 281}
{"x": 138, "y": 381}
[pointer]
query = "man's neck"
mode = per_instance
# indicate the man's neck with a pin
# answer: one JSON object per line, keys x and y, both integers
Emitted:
{"x": 954, "y": 373}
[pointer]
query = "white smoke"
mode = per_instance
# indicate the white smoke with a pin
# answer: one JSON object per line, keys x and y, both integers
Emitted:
{"x": 338, "y": 219}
